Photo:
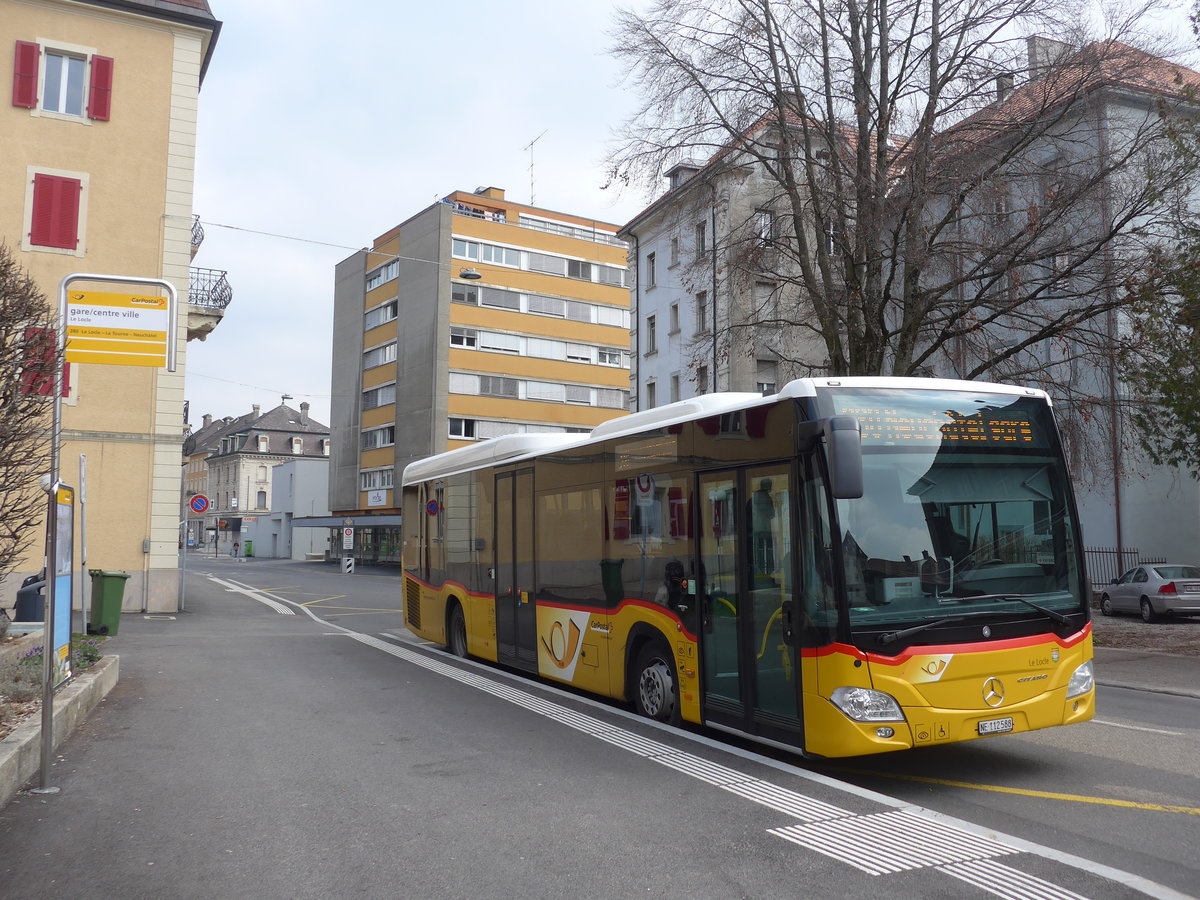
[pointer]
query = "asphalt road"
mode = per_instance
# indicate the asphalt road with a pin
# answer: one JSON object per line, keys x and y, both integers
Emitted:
{"x": 249, "y": 750}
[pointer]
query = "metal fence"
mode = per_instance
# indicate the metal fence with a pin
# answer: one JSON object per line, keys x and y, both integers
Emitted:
{"x": 1106, "y": 563}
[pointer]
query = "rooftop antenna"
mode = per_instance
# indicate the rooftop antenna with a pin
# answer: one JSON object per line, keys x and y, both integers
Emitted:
{"x": 529, "y": 147}
{"x": 284, "y": 398}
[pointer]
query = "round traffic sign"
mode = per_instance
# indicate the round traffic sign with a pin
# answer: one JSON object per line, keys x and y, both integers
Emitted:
{"x": 198, "y": 503}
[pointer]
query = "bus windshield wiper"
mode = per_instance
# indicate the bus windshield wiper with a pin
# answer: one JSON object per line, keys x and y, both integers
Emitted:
{"x": 892, "y": 636}
{"x": 1049, "y": 613}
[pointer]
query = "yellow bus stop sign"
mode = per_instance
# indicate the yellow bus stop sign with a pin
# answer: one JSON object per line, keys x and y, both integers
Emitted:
{"x": 117, "y": 329}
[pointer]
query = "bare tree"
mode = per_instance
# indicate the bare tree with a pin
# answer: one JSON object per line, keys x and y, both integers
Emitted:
{"x": 953, "y": 196}
{"x": 28, "y": 356}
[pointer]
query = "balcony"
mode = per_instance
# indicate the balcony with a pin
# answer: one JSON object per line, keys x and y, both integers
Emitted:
{"x": 209, "y": 292}
{"x": 197, "y": 235}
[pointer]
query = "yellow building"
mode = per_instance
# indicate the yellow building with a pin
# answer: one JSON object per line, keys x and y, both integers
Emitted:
{"x": 97, "y": 152}
{"x": 477, "y": 317}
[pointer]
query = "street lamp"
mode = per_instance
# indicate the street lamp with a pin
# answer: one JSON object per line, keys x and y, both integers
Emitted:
{"x": 469, "y": 274}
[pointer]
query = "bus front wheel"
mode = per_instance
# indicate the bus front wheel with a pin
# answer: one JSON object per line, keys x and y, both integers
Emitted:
{"x": 656, "y": 689}
{"x": 456, "y": 632}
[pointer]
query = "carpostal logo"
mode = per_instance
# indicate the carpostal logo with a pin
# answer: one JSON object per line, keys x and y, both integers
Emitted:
{"x": 562, "y": 641}
{"x": 930, "y": 668}
{"x": 147, "y": 301}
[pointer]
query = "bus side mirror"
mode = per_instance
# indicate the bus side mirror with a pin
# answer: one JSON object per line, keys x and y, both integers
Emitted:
{"x": 845, "y": 458}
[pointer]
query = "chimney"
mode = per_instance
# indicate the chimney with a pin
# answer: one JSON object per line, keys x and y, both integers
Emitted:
{"x": 1004, "y": 86}
{"x": 257, "y": 410}
{"x": 303, "y": 413}
{"x": 1044, "y": 53}
{"x": 207, "y": 420}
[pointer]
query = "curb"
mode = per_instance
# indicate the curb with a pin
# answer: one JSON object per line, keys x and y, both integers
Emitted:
{"x": 20, "y": 752}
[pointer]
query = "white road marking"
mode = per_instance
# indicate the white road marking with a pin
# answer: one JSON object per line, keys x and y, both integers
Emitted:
{"x": 253, "y": 594}
{"x": 1137, "y": 727}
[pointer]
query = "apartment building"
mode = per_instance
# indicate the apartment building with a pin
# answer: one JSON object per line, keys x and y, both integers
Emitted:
{"x": 97, "y": 151}
{"x": 474, "y": 318}
{"x": 231, "y": 461}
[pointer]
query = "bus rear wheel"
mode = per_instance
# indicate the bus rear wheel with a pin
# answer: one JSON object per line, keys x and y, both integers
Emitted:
{"x": 456, "y": 632}
{"x": 656, "y": 689}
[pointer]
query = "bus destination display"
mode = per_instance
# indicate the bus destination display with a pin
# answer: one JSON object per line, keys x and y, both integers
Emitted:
{"x": 891, "y": 424}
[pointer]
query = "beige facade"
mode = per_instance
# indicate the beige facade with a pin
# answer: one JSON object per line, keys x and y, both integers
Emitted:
{"x": 135, "y": 169}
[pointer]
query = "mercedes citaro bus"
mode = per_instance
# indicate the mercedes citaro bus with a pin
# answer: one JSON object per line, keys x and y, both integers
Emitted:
{"x": 849, "y": 566}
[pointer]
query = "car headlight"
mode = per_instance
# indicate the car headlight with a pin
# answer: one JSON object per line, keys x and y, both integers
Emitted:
{"x": 1081, "y": 681}
{"x": 866, "y": 705}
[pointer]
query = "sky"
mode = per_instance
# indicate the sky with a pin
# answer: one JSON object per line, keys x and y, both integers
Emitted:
{"x": 327, "y": 123}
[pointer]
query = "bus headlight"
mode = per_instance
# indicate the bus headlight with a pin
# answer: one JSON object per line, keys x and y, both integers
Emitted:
{"x": 866, "y": 705}
{"x": 1081, "y": 681}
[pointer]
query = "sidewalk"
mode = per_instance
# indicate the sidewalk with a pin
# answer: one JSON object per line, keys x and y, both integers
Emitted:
{"x": 1139, "y": 670}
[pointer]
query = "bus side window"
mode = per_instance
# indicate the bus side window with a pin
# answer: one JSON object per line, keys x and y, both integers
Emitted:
{"x": 815, "y": 548}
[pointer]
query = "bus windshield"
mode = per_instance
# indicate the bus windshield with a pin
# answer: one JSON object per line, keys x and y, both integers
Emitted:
{"x": 965, "y": 509}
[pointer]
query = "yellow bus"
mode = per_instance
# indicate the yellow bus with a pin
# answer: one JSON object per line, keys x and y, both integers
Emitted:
{"x": 849, "y": 566}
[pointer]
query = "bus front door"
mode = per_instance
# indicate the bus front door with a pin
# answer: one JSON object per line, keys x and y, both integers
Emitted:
{"x": 516, "y": 617}
{"x": 747, "y": 647}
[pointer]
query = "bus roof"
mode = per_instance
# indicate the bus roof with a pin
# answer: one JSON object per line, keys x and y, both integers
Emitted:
{"x": 513, "y": 447}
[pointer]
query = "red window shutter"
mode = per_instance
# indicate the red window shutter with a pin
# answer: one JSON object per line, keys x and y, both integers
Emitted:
{"x": 25, "y": 74}
{"x": 100, "y": 92}
{"x": 37, "y": 369}
{"x": 55, "y": 221}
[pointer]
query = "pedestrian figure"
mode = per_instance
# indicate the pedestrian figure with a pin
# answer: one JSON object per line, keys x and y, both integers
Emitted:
{"x": 236, "y": 547}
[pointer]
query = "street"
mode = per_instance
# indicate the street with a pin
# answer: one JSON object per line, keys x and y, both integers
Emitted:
{"x": 284, "y": 735}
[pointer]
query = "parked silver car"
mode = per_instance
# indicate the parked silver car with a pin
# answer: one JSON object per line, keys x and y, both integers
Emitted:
{"x": 1158, "y": 590}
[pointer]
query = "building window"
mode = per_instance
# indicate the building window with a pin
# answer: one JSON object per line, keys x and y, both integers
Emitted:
{"x": 702, "y": 380}
{"x": 262, "y": 473}
{"x": 297, "y": 446}
{"x": 766, "y": 376}
{"x": 579, "y": 353}
{"x": 701, "y": 238}
{"x": 651, "y": 275}
{"x": 325, "y": 444}
{"x": 674, "y": 388}
{"x": 701, "y": 312}
{"x": 67, "y": 77}
{"x": 651, "y": 400}
{"x": 378, "y": 356}
{"x": 380, "y": 396}
{"x": 56, "y": 202}
{"x": 497, "y": 386}
{"x": 498, "y": 299}
{"x": 607, "y": 357}
{"x": 376, "y": 437}
{"x": 764, "y": 225}
{"x": 264, "y": 444}
{"x": 387, "y": 272}
{"x": 674, "y": 251}
{"x": 577, "y": 268}
{"x": 461, "y": 292}
{"x": 375, "y": 479}
{"x": 832, "y": 233}
{"x": 651, "y": 336}
{"x": 462, "y": 428}
{"x": 463, "y": 337}
{"x": 260, "y": 500}
{"x": 674, "y": 318}
{"x": 380, "y": 315}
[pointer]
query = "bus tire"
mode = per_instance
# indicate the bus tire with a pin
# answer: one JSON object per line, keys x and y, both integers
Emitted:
{"x": 456, "y": 631}
{"x": 655, "y": 684}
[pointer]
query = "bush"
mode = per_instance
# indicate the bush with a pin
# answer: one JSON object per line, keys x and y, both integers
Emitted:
{"x": 21, "y": 683}
{"x": 85, "y": 653}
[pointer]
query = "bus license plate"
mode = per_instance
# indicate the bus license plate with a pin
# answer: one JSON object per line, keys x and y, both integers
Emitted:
{"x": 996, "y": 726}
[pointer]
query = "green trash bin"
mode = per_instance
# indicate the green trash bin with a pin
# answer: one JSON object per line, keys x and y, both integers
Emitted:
{"x": 249, "y": 548}
{"x": 108, "y": 590}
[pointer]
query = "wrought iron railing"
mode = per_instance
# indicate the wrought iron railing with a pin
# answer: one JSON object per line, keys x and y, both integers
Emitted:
{"x": 209, "y": 288}
{"x": 197, "y": 232}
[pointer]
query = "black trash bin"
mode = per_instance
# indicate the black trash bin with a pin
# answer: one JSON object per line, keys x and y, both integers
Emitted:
{"x": 31, "y": 602}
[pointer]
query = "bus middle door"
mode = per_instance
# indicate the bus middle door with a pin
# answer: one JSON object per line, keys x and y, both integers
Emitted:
{"x": 749, "y": 654}
{"x": 516, "y": 614}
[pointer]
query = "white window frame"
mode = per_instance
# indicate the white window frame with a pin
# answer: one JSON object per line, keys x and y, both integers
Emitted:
{"x": 47, "y": 46}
